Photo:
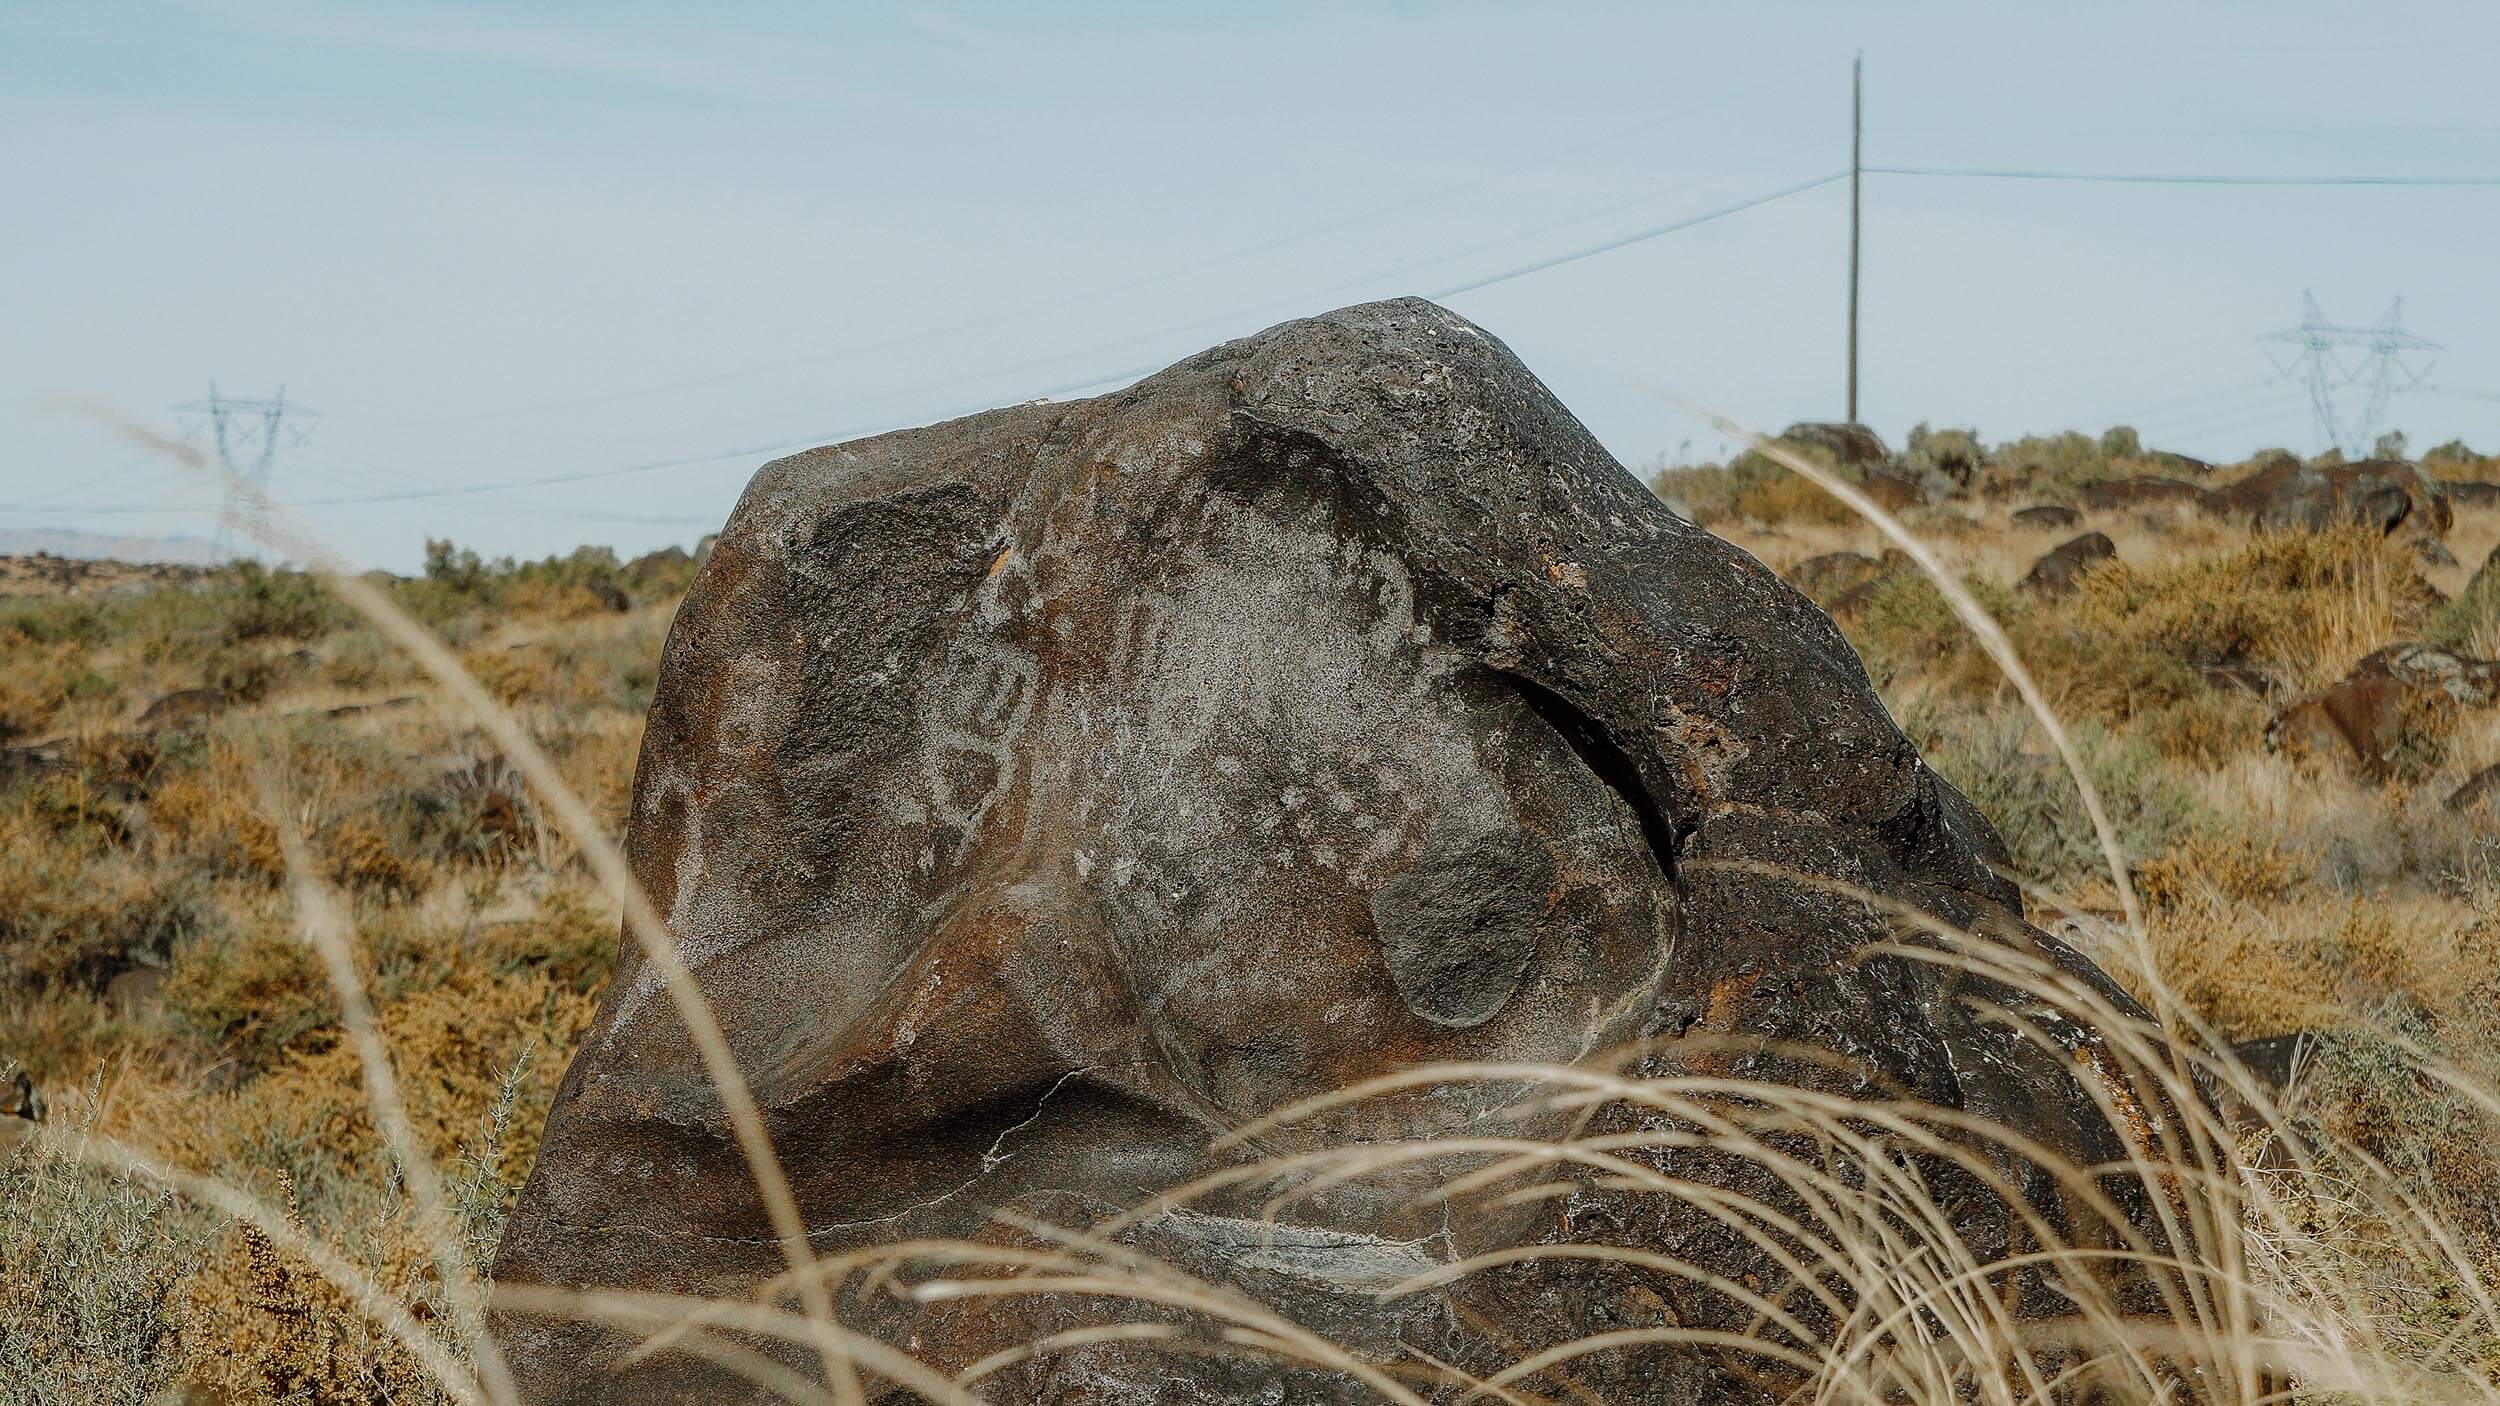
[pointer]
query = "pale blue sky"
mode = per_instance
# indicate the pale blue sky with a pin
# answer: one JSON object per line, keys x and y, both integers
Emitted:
{"x": 494, "y": 243}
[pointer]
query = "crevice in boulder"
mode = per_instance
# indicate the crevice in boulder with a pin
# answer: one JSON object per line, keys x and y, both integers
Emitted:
{"x": 1609, "y": 763}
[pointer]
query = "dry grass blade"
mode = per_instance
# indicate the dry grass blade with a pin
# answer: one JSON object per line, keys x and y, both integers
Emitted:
{"x": 1983, "y": 627}
{"x": 326, "y": 929}
{"x": 574, "y": 819}
{"x": 651, "y": 1312}
{"x": 368, "y": 1298}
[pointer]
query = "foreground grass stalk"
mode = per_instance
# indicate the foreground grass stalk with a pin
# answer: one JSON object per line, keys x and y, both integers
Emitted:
{"x": 607, "y": 863}
{"x": 327, "y": 930}
{"x": 371, "y": 1300}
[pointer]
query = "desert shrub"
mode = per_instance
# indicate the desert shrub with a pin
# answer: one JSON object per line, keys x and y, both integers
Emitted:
{"x": 88, "y": 1269}
{"x": 1905, "y": 626}
{"x": 2026, "y": 792}
{"x": 2233, "y": 867}
{"x": 249, "y": 991}
{"x": 44, "y": 680}
{"x": 71, "y": 921}
{"x": 360, "y": 854}
{"x": 2121, "y": 442}
{"x": 262, "y": 1327}
{"x": 75, "y": 904}
{"x": 258, "y": 603}
{"x": 2473, "y": 618}
{"x": 2300, "y": 606}
{"x": 1955, "y": 454}
{"x": 209, "y": 818}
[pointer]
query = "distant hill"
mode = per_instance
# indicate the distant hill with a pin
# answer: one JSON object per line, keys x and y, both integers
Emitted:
{"x": 98, "y": 546}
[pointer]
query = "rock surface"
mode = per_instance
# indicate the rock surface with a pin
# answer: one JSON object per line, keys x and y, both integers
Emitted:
{"x": 2056, "y": 573}
{"x": 1832, "y": 575}
{"x": 2363, "y": 717}
{"x": 1039, "y": 795}
{"x": 1850, "y": 446}
{"x": 2046, "y": 515}
{"x": 186, "y": 708}
{"x": 2387, "y": 494}
{"x": 2119, "y": 493}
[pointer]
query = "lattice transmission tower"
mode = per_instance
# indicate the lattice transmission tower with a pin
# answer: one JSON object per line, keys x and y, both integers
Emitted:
{"x": 2377, "y": 368}
{"x": 248, "y": 435}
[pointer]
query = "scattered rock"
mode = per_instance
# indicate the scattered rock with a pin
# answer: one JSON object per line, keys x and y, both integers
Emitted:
{"x": 2473, "y": 493}
{"x": 652, "y": 566}
{"x": 21, "y": 761}
{"x": 186, "y": 708}
{"x": 2475, "y": 682}
{"x": 1040, "y": 794}
{"x": 2387, "y": 494}
{"x": 1826, "y": 578}
{"x": 2478, "y": 788}
{"x": 136, "y": 992}
{"x": 42, "y": 574}
{"x": 1850, "y": 446}
{"x": 21, "y": 1108}
{"x": 2244, "y": 678}
{"x": 2048, "y": 516}
{"x": 1893, "y": 491}
{"x": 703, "y": 547}
{"x": 356, "y": 710}
{"x": 18, "y": 1098}
{"x": 2362, "y": 718}
{"x": 2276, "y": 1061}
{"x": 2124, "y": 493}
{"x": 611, "y": 595}
{"x": 2055, "y": 574}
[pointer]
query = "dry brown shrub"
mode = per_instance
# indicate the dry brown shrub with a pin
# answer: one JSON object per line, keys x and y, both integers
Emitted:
{"x": 452, "y": 1045}
{"x": 2235, "y": 868}
{"x": 1785, "y": 497}
{"x": 261, "y": 1329}
{"x": 209, "y": 817}
{"x": 361, "y": 855}
{"x": 2303, "y": 607}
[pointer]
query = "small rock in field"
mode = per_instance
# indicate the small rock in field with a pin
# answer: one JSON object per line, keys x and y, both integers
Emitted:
{"x": 188, "y": 707}
{"x": 2055, "y": 574}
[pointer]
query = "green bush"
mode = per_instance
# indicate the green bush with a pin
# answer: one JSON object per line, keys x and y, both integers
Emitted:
{"x": 2025, "y": 790}
{"x": 88, "y": 1266}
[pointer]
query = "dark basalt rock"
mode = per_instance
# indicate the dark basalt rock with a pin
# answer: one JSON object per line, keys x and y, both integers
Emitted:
{"x": 2056, "y": 573}
{"x": 1832, "y": 575}
{"x": 186, "y": 708}
{"x": 1851, "y": 446}
{"x": 2121, "y": 493}
{"x": 1040, "y": 795}
{"x": 2387, "y": 494}
{"x": 2363, "y": 717}
{"x": 2046, "y": 515}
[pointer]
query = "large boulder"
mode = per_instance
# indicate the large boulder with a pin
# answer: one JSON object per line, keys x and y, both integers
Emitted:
{"x": 2387, "y": 494}
{"x": 1040, "y": 795}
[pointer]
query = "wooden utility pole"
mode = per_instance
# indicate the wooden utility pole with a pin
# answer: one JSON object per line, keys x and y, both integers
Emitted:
{"x": 1857, "y": 128}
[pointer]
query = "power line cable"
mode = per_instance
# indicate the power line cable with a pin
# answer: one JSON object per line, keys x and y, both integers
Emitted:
{"x": 1125, "y": 374}
{"x": 1235, "y": 255}
{"x": 2154, "y": 178}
